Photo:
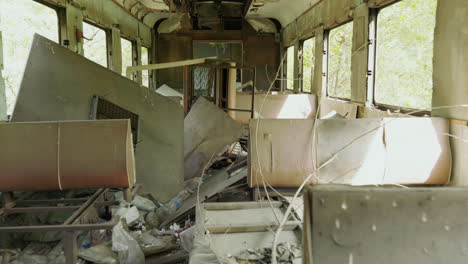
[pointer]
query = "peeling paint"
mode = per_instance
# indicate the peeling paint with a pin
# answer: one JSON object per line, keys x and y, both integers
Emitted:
{"x": 175, "y": 22}
{"x": 262, "y": 25}
{"x": 282, "y": 10}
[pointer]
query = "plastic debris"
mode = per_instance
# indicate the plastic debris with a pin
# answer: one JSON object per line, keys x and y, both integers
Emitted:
{"x": 186, "y": 238}
{"x": 126, "y": 246}
{"x": 143, "y": 203}
{"x": 287, "y": 254}
{"x": 100, "y": 254}
{"x": 130, "y": 214}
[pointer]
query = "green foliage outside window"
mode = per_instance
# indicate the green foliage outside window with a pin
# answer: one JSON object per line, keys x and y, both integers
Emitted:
{"x": 144, "y": 61}
{"x": 127, "y": 58}
{"x": 339, "y": 61}
{"x": 95, "y": 47}
{"x": 19, "y": 20}
{"x": 308, "y": 64}
{"x": 290, "y": 68}
{"x": 405, "y": 41}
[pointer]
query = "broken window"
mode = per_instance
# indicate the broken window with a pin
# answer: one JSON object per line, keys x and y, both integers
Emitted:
{"x": 127, "y": 54}
{"x": 308, "y": 64}
{"x": 95, "y": 47}
{"x": 290, "y": 68}
{"x": 339, "y": 61}
{"x": 144, "y": 61}
{"x": 405, "y": 41}
{"x": 19, "y": 21}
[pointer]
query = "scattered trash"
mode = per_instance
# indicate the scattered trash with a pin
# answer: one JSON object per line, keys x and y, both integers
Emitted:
{"x": 129, "y": 252}
{"x": 186, "y": 238}
{"x": 101, "y": 254}
{"x": 287, "y": 254}
{"x": 130, "y": 214}
{"x": 143, "y": 203}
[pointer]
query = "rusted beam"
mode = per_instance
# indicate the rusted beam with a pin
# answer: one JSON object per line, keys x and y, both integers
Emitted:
{"x": 50, "y": 201}
{"x": 71, "y": 248}
{"x": 78, "y": 213}
{"x": 39, "y": 209}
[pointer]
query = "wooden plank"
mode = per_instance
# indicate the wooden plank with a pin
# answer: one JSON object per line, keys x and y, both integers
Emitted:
{"x": 166, "y": 65}
{"x": 250, "y": 227}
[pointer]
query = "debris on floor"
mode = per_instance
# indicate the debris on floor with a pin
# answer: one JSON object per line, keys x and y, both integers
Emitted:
{"x": 287, "y": 254}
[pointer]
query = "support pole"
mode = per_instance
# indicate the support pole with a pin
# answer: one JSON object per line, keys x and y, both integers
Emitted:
{"x": 70, "y": 247}
{"x": 232, "y": 76}
{"x": 187, "y": 89}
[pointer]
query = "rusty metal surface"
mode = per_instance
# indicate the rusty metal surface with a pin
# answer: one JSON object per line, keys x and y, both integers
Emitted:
{"x": 66, "y": 155}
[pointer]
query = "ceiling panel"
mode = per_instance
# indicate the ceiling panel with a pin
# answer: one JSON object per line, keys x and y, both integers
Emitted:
{"x": 285, "y": 11}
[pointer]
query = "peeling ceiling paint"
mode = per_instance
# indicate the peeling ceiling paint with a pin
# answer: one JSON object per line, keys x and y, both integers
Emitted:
{"x": 148, "y": 11}
{"x": 285, "y": 11}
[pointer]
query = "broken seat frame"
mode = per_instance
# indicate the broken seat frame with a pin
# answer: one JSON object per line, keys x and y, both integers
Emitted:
{"x": 72, "y": 224}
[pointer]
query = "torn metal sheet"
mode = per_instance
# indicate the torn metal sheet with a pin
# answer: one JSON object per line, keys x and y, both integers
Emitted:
{"x": 59, "y": 85}
{"x": 368, "y": 225}
{"x": 171, "y": 93}
{"x": 384, "y": 151}
{"x": 356, "y": 162}
{"x": 356, "y": 152}
{"x": 208, "y": 131}
{"x": 208, "y": 188}
{"x": 276, "y": 106}
{"x": 168, "y": 91}
{"x": 281, "y": 152}
{"x": 66, "y": 155}
{"x": 346, "y": 109}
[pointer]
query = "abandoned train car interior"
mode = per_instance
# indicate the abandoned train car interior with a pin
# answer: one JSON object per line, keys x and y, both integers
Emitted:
{"x": 234, "y": 131}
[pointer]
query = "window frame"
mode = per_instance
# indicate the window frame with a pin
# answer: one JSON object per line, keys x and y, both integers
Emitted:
{"x": 301, "y": 65}
{"x": 372, "y": 68}
{"x": 133, "y": 56}
{"x": 149, "y": 62}
{"x": 327, "y": 55}
{"x": 106, "y": 33}
{"x": 287, "y": 64}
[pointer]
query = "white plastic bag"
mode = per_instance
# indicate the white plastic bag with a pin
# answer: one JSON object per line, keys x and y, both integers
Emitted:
{"x": 143, "y": 203}
{"x": 126, "y": 246}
